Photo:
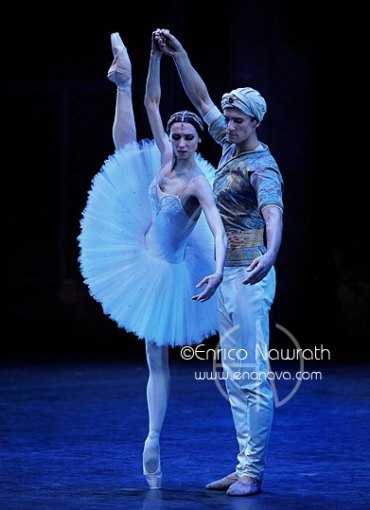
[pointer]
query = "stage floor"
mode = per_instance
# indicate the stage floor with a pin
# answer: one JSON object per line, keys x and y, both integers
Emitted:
{"x": 72, "y": 434}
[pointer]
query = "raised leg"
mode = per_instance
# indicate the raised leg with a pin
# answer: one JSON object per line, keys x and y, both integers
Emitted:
{"x": 124, "y": 129}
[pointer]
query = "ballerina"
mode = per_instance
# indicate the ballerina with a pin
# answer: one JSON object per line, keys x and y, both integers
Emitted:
{"x": 151, "y": 235}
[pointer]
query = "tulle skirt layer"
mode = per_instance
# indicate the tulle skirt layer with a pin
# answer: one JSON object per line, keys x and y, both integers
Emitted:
{"x": 143, "y": 294}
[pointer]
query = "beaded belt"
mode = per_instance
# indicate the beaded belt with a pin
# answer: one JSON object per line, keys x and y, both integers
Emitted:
{"x": 243, "y": 246}
{"x": 244, "y": 238}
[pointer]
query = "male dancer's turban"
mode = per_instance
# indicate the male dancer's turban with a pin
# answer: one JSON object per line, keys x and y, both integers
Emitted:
{"x": 247, "y": 100}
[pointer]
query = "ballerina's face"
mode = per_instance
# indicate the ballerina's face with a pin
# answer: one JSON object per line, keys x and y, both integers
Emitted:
{"x": 184, "y": 139}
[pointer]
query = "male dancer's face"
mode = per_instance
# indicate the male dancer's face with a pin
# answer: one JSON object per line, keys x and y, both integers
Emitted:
{"x": 239, "y": 125}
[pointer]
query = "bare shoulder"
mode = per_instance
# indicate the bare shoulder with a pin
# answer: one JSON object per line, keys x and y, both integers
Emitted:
{"x": 199, "y": 184}
{"x": 165, "y": 170}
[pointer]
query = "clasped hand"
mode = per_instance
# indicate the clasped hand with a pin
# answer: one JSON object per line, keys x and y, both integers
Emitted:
{"x": 167, "y": 43}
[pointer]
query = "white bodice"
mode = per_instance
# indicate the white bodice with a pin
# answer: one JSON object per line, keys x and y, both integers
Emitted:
{"x": 171, "y": 226}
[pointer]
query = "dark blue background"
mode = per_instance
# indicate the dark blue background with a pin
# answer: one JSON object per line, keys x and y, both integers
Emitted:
{"x": 58, "y": 110}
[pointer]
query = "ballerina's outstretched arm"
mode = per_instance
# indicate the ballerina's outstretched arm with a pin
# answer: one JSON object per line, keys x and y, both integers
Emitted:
{"x": 202, "y": 190}
{"x": 152, "y": 100}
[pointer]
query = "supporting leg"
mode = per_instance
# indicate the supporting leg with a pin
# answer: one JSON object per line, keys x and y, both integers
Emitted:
{"x": 157, "y": 399}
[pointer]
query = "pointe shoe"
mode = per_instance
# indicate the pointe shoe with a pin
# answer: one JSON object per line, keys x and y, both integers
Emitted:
{"x": 120, "y": 70}
{"x": 152, "y": 463}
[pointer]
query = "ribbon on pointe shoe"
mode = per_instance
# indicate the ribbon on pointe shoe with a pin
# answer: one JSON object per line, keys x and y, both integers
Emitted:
{"x": 120, "y": 69}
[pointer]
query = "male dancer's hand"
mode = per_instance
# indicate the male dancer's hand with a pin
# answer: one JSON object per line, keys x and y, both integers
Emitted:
{"x": 167, "y": 43}
{"x": 258, "y": 269}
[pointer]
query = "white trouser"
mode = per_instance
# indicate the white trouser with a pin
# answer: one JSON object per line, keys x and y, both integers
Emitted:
{"x": 244, "y": 325}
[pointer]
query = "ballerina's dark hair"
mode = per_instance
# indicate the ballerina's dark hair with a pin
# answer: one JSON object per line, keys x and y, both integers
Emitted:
{"x": 186, "y": 116}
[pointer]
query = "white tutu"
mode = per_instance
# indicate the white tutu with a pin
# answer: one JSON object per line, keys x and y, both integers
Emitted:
{"x": 142, "y": 292}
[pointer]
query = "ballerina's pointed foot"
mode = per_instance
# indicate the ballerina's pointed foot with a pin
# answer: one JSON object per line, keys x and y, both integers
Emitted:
{"x": 120, "y": 70}
{"x": 152, "y": 463}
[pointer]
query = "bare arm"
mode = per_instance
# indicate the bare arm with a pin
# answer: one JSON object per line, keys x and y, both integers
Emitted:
{"x": 274, "y": 228}
{"x": 203, "y": 192}
{"x": 152, "y": 100}
{"x": 192, "y": 82}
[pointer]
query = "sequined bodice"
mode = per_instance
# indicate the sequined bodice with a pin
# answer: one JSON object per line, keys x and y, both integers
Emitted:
{"x": 171, "y": 225}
